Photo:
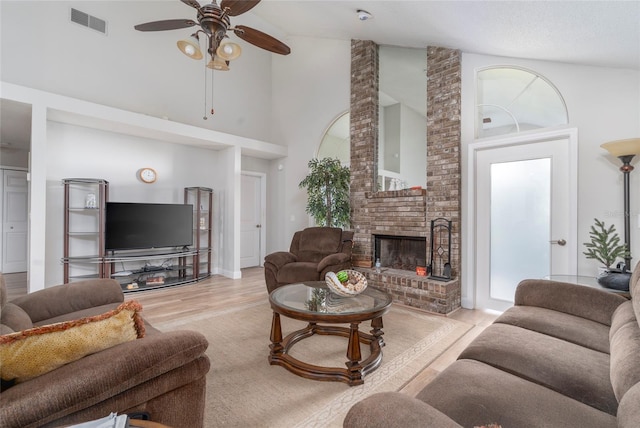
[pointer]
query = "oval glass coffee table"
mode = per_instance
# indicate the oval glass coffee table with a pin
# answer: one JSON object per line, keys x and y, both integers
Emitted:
{"x": 314, "y": 303}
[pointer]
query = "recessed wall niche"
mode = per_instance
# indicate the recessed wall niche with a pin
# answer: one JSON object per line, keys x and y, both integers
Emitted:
{"x": 402, "y": 148}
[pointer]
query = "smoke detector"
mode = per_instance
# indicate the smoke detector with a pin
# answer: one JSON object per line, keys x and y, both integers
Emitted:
{"x": 363, "y": 15}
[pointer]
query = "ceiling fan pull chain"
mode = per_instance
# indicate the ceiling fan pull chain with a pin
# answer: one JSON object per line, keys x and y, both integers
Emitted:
{"x": 205, "y": 92}
{"x": 212, "y": 111}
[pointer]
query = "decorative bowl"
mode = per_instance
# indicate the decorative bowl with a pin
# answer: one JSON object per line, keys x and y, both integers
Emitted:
{"x": 357, "y": 283}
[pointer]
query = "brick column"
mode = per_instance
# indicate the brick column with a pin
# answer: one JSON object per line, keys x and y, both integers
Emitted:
{"x": 364, "y": 143}
{"x": 443, "y": 142}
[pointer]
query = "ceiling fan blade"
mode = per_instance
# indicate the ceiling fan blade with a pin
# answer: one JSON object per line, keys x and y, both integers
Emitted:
{"x": 194, "y": 4}
{"x": 261, "y": 40}
{"x": 238, "y": 7}
{"x": 169, "y": 24}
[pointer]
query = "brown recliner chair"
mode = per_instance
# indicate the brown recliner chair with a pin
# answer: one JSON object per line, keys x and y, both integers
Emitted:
{"x": 314, "y": 251}
{"x": 163, "y": 374}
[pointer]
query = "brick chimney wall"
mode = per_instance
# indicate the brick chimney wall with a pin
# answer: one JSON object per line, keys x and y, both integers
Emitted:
{"x": 387, "y": 212}
{"x": 364, "y": 143}
{"x": 443, "y": 142}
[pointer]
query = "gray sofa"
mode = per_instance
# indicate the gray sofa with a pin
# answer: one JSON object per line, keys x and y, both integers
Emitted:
{"x": 564, "y": 356}
{"x": 162, "y": 374}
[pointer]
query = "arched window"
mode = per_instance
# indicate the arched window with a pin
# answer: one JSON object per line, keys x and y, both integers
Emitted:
{"x": 511, "y": 100}
{"x": 336, "y": 141}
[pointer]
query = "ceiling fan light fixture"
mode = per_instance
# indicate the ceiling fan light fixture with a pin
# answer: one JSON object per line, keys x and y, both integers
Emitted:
{"x": 229, "y": 51}
{"x": 191, "y": 47}
{"x": 218, "y": 64}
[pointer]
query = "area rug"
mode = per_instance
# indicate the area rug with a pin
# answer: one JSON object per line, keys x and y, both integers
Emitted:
{"x": 243, "y": 390}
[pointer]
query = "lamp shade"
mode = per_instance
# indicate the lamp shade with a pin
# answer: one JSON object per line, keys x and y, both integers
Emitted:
{"x": 219, "y": 64}
{"x": 630, "y": 146}
{"x": 191, "y": 47}
{"x": 229, "y": 51}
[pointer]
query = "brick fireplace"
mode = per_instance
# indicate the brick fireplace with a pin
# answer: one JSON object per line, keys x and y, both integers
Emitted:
{"x": 407, "y": 213}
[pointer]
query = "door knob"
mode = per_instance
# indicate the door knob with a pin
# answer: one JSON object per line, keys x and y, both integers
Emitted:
{"x": 560, "y": 242}
{"x": 258, "y": 225}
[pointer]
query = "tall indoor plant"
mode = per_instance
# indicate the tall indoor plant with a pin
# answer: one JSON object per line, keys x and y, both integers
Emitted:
{"x": 327, "y": 185}
{"x": 605, "y": 247}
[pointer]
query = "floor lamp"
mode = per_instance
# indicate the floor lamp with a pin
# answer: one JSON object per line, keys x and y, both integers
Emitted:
{"x": 625, "y": 150}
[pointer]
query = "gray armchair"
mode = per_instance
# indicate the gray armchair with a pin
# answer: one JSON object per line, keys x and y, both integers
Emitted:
{"x": 314, "y": 251}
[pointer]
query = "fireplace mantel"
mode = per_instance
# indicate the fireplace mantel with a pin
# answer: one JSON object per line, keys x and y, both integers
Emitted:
{"x": 396, "y": 193}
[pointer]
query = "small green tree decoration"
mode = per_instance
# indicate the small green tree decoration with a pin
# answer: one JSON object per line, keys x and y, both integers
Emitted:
{"x": 328, "y": 192}
{"x": 605, "y": 244}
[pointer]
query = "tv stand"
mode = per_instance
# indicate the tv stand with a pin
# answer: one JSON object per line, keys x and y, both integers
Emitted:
{"x": 153, "y": 268}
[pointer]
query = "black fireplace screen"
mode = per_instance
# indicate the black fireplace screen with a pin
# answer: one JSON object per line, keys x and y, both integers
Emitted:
{"x": 440, "y": 265}
{"x": 401, "y": 252}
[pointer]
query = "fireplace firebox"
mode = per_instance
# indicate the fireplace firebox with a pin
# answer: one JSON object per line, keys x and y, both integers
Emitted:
{"x": 400, "y": 252}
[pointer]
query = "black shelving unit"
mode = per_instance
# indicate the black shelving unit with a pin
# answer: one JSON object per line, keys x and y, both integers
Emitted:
{"x": 202, "y": 200}
{"x": 84, "y": 221}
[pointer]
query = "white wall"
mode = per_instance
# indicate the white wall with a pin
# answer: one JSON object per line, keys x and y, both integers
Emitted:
{"x": 78, "y": 152}
{"x": 603, "y": 104}
{"x": 390, "y": 138}
{"x": 309, "y": 91}
{"x": 402, "y": 144}
{"x": 413, "y": 148}
{"x": 14, "y": 157}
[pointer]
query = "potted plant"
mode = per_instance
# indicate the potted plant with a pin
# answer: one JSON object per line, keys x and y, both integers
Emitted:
{"x": 605, "y": 247}
{"x": 328, "y": 192}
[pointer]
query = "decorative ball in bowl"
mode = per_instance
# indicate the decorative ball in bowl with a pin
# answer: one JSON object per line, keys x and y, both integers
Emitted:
{"x": 346, "y": 283}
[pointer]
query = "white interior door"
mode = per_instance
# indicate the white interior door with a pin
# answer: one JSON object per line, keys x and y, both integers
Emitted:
{"x": 14, "y": 221}
{"x": 251, "y": 223}
{"x": 525, "y": 217}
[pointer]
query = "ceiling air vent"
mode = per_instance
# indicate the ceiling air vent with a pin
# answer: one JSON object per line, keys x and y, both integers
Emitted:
{"x": 88, "y": 21}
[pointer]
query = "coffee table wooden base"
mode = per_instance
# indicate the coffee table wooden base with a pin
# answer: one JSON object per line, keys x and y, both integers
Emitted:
{"x": 355, "y": 369}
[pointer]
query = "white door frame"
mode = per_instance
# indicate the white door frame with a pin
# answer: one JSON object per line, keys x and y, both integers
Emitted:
{"x": 469, "y": 211}
{"x": 263, "y": 209}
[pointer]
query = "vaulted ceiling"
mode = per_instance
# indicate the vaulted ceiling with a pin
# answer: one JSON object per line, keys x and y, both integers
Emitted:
{"x": 604, "y": 33}
{"x": 598, "y": 33}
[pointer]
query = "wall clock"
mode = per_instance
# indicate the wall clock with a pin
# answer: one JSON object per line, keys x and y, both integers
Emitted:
{"x": 147, "y": 175}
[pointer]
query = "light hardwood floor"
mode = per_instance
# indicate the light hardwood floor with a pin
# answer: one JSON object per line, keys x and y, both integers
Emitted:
{"x": 218, "y": 293}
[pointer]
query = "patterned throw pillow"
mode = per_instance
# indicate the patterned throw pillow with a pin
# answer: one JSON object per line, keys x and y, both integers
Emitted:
{"x": 36, "y": 351}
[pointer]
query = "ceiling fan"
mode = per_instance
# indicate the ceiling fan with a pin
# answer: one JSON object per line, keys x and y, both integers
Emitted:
{"x": 214, "y": 22}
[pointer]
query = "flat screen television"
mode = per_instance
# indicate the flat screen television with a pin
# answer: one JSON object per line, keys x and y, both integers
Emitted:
{"x": 130, "y": 226}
